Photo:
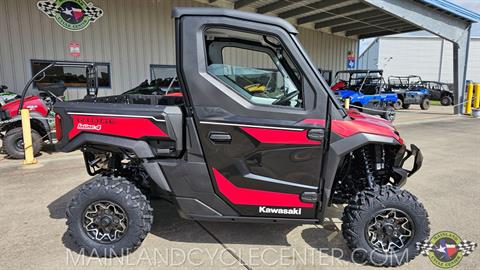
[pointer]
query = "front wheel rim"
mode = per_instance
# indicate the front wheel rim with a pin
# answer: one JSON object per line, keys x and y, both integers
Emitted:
{"x": 105, "y": 222}
{"x": 390, "y": 230}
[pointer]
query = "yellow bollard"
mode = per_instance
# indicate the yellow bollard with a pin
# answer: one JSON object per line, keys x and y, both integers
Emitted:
{"x": 27, "y": 138}
{"x": 347, "y": 103}
{"x": 477, "y": 96}
{"x": 468, "y": 105}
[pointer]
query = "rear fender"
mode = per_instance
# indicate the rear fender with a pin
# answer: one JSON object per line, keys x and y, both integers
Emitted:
{"x": 140, "y": 148}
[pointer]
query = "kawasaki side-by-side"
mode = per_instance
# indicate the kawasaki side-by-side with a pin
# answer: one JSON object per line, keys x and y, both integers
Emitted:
{"x": 263, "y": 140}
{"x": 410, "y": 90}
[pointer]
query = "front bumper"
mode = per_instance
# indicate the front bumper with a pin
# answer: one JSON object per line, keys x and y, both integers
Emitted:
{"x": 401, "y": 174}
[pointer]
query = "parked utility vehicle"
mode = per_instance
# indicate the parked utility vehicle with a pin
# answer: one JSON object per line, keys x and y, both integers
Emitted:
{"x": 40, "y": 105}
{"x": 365, "y": 89}
{"x": 410, "y": 91}
{"x": 6, "y": 96}
{"x": 439, "y": 92}
{"x": 224, "y": 153}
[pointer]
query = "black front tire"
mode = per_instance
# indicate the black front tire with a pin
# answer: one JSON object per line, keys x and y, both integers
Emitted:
{"x": 121, "y": 193}
{"x": 13, "y": 143}
{"x": 446, "y": 101}
{"x": 398, "y": 105}
{"x": 358, "y": 215}
{"x": 425, "y": 105}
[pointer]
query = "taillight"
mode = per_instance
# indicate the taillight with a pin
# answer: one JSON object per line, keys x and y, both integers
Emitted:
{"x": 58, "y": 127}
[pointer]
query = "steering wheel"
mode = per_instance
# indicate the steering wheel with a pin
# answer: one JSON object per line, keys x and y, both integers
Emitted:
{"x": 284, "y": 99}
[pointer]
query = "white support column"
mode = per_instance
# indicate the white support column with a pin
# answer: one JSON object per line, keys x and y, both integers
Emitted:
{"x": 460, "y": 62}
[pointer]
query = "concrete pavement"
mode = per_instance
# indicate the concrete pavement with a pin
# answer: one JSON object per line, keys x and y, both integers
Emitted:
{"x": 33, "y": 200}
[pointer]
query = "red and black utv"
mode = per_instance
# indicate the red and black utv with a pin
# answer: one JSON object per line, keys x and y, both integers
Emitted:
{"x": 262, "y": 140}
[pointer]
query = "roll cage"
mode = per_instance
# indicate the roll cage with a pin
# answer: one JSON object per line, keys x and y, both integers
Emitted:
{"x": 368, "y": 82}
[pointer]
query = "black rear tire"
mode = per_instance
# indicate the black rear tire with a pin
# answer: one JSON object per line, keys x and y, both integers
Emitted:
{"x": 365, "y": 206}
{"x": 130, "y": 216}
{"x": 446, "y": 101}
{"x": 406, "y": 106}
{"x": 425, "y": 105}
{"x": 13, "y": 143}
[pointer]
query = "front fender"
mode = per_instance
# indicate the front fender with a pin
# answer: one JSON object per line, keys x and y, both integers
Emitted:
{"x": 337, "y": 151}
{"x": 37, "y": 122}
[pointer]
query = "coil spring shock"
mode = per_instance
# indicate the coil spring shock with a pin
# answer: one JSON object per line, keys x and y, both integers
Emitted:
{"x": 368, "y": 167}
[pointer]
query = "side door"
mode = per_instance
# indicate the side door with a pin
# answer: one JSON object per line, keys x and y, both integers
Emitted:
{"x": 435, "y": 90}
{"x": 259, "y": 120}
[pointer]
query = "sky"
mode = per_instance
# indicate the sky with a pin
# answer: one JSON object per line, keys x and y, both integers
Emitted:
{"x": 473, "y": 5}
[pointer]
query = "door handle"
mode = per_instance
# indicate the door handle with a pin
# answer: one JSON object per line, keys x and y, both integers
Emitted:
{"x": 316, "y": 134}
{"x": 220, "y": 137}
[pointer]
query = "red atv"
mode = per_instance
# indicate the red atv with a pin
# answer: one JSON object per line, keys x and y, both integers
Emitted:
{"x": 283, "y": 153}
{"x": 40, "y": 106}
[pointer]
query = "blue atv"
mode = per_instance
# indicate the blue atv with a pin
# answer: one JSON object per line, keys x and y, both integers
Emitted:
{"x": 410, "y": 90}
{"x": 365, "y": 89}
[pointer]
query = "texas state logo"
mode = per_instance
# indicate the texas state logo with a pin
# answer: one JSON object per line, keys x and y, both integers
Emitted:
{"x": 73, "y": 15}
{"x": 446, "y": 249}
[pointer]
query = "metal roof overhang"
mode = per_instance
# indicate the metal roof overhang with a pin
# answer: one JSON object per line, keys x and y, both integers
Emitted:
{"x": 357, "y": 18}
{"x": 360, "y": 19}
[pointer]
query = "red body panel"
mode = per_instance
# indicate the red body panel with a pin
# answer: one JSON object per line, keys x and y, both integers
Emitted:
{"x": 33, "y": 103}
{"x": 117, "y": 126}
{"x": 278, "y": 136}
{"x": 175, "y": 94}
{"x": 338, "y": 86}
{"x": 246, "y": 196}
{"x": 360, "y": 123}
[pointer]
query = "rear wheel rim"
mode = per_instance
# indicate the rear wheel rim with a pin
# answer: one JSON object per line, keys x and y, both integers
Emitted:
{"x": 19, "y": 144}
{"x": 445, "y": 101}
{"x": 105, "y": 221}
{"x": 390, "y": 230}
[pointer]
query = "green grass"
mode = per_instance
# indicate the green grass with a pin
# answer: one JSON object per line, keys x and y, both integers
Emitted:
{"x": 435, "y": 103}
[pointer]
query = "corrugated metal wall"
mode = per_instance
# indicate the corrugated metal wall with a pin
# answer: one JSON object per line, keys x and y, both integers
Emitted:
{"x": 130, "y": 36}
{"x": 421, "y": 56}
{"x": 328, "y": 51}
{"x": 369, "y": 59}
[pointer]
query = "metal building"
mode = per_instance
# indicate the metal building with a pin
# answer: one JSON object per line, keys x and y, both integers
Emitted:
{"x": 131, "y": 38}
{"x": 429, "y": 57}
